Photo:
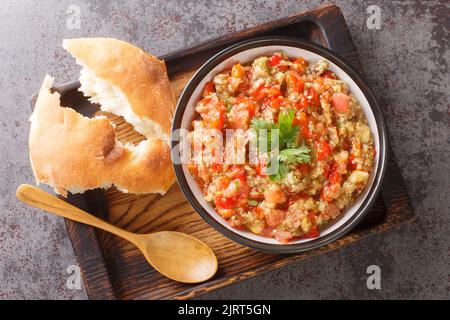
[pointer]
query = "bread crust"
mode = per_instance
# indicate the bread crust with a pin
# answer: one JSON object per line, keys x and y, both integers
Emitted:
{"x": 74, "y": 153}
{"x": 140, "y": 76}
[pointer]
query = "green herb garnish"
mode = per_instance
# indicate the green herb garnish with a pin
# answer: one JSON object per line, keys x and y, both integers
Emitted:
{"x": 295, "y": 156}
{"x": 287, "y": 157}
{"x": 290, "y": 150}
{"x": 283, "y": 170}
{"x": 258, "y": 125}
{"x": 253, "y": 203}
{"x": 288, "y": 132}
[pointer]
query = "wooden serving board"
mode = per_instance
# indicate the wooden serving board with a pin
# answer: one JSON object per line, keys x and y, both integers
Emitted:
{"x": 114, "y": 269}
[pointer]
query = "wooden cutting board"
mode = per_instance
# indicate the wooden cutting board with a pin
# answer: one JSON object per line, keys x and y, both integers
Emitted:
{"x": 114, "y": 269}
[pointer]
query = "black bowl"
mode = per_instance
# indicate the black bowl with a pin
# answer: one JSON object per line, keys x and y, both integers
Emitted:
{"x": 371, "y": 193}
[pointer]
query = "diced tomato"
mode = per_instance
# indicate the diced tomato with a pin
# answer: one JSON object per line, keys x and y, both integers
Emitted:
{"x": 237, "y": 223}
{"x": 264, "y": 105}
{"x": 222, "y": 182}
{"x": 275, "y": 103}
{"x": 242, "y": 202}
{"x": 209, "y": 88}
{"x": 323, "y": 150}
{"x": 258, "y": 212}
{"x": 262, "y": 92}
{"x": 213, "y": 113}
{"x": 313, "y": 97}
{"x": 272, "y": 92}
{"x": 294, "y": 82}
{"x": 330, "y": 192}
{"x": 275, "y": 59}
{"x": 251, "y": 107}
{"x": 237, "y": 71}
{"x": 261, "y": 169}
{"x": 304, "y": 125}
{"x": 304, "y": 168}
{"x": 237, "y": 226}
{"x": 275, "y": 217}
{"x": 312, "y": 217}
{"x": 346, "y": 144}
{"x": 327, "y": 170}
{"x": 334, "y": 178}
{"x": 236, "y": 168}
{"x": 320, "y": 84}
{"x": 267, "y": 232}
{"x": 300, "y": 64}
{"x": 326, "y": 96}
{"x": 240, "y": 174}
{"x": 352, "y": 163}
{"x": 296, "y": 196}
{"x": 217, "y": 120}
{"x": 226, "y": 213}
{"x": 223, "y": 202}
{"x": 207, "y": 103}
{"x": 306, "y": 133}
{"x": 247, "y": 104}
{"x": 192, "y": 168}
{"x": 340, "y": 102}
{"x": 295, "y": 121}
{"x": 302, "y": 103}
{"x": 331, "y": 189}
{"x": 333, "y": 211}
{"x": 283, "y": 236}
{"x": 328, "y": 74}
{"x": 242, "y": 177}
{"x": 241, "y": 113}
{"x": 256, "y": 194}
{"x": 303, "y": 117}
{"x": 274, "y": 196}
{"x": 216, "y": 167}
{"x": 313, "y": 233}
{"x": 257, "y": 93}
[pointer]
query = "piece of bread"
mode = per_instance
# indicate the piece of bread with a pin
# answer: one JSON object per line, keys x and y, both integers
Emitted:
{"x": 73, "y": 153}
{"x": 125, "y": 81}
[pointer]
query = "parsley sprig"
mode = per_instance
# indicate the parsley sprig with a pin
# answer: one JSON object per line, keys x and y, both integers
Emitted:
{"x": 290, "y": 150}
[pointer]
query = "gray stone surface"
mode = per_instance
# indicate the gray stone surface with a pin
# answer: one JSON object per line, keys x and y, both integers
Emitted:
{"x": 406, "y": 62}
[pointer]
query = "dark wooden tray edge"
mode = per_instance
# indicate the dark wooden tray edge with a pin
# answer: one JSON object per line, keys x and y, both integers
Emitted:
{"x": 223, "y": 40}
{"x": 96, "y": 279}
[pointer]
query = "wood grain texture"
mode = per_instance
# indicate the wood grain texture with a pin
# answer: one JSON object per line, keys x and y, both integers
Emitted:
{"x": 114, "y": 269}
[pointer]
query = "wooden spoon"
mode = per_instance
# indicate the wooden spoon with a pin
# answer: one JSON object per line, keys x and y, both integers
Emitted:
{"x": 176, "y": 255}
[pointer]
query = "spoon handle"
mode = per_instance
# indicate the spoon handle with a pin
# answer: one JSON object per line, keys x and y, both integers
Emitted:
{"x": 38, "y": 198}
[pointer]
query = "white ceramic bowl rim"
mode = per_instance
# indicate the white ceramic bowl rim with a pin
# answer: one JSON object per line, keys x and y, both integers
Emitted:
{"x": 244, "y": 53}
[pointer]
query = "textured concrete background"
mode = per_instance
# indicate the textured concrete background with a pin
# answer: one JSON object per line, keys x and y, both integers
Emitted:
{"x": 406, "y": 62}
